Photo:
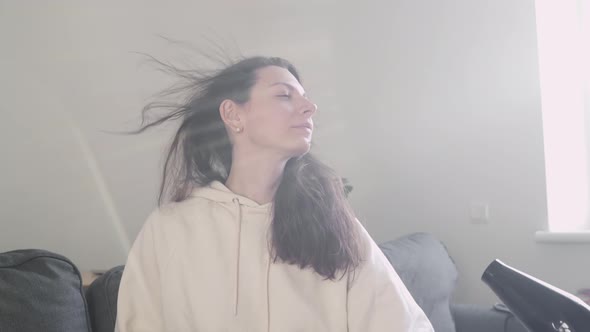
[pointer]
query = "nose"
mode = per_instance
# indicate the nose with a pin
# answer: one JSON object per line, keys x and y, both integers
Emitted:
{"x": 309, "y": 108}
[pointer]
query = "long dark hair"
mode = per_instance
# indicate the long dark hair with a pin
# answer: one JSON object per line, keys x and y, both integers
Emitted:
{"x": 312, "y": 223}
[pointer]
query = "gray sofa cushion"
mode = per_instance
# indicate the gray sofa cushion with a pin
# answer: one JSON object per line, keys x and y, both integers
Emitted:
{"x": 428, "y": 272}
{"x": 469, "y": 317}
{"x": 102, "y": 300}
{"x": 41, "y": 291}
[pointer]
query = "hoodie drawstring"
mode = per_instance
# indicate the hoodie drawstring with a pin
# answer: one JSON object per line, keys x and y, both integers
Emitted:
{"x": 268, "y": 295}
{"x": 239, "y": 210}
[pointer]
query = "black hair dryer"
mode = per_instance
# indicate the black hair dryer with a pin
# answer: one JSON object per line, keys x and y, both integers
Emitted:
{"x": 539, "y": 306}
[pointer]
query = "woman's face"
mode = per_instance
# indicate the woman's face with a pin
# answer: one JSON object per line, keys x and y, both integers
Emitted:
{"x": 278, "y": 116}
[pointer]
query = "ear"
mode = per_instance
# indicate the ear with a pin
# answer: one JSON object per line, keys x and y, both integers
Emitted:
{"x": 230, "y": 114}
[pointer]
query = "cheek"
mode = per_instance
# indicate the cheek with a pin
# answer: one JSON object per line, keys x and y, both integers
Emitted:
{"x": 272, "y": 123}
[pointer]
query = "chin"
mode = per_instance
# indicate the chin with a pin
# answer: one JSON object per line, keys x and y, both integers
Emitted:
{"x": 300, "y": 149}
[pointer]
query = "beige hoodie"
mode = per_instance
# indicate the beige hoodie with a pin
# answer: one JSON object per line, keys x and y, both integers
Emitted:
{"x": 204, "y": 265}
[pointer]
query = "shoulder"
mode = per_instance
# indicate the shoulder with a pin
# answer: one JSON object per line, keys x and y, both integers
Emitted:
{"x": 366, "y": 243}
{"x": 175, "y": 213}
{"x": 171, "y": 221}
{"x": 373, "y": 261}
{"x": 168, "y": 225}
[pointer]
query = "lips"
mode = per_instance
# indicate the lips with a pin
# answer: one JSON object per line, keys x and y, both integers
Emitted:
{"x": 304, "y": 125}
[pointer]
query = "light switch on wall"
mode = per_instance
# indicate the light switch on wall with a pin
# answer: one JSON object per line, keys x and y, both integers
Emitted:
{"x": 480, "y": 213}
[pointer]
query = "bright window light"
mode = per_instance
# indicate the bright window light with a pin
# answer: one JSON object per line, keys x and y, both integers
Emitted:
{"x": 564, "y": 56}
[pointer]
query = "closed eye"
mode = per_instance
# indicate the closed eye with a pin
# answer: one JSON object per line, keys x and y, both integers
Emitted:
{"x": 284, "y": 96}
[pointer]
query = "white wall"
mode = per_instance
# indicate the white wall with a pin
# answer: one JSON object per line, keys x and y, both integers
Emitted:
{"x": 425, "y": 106}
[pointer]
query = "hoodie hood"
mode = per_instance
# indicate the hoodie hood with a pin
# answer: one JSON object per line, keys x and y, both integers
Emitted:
{"x": 218, "y": 192}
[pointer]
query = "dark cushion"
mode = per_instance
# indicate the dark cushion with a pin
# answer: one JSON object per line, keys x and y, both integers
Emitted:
{"x": 469, "y": 317}
{"x": 428, "y": 272}
{"x": 41, "y": 291}
{"x": 102, "y": 300}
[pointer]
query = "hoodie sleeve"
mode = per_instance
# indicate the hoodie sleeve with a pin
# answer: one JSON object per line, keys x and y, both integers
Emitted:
{"x": 378, "y": 301}
{"x": 139, "y": 301}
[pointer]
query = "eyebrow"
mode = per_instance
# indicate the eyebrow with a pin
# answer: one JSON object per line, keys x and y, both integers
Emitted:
{"x": 289, "y": 86}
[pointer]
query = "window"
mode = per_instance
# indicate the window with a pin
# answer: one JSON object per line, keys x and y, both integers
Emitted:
{"x": 563, "y": 37}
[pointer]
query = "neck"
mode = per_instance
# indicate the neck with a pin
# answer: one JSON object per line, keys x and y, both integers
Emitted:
{"x": 255, "y": 176}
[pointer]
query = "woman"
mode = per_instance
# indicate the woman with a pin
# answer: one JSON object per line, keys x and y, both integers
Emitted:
{"x": 258, "y": 235}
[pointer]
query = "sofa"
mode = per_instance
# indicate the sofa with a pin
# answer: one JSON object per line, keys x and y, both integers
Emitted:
{"x": 42, "y": 291}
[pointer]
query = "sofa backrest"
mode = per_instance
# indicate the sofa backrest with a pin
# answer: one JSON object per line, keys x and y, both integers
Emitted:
{"x": 429, "y": 273}
{"x": 41, "y": 291}
{"x": 102, "y": 300}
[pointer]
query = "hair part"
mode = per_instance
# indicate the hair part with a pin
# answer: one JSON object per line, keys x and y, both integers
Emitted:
{"x": 312, "y": 223}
